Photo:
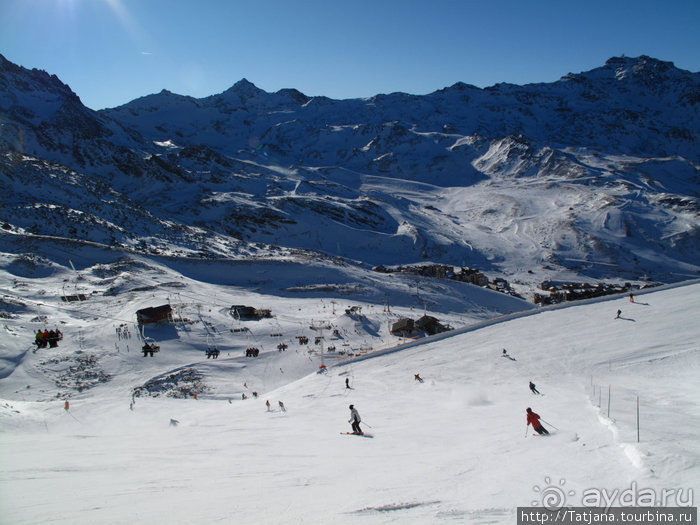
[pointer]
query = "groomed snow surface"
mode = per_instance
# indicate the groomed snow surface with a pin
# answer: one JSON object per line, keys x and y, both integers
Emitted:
{"x": 452, "y": 449}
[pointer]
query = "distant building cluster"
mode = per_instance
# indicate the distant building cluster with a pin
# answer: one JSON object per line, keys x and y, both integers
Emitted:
{"x": 561, "y": 292}
{"x": 407, "y": 327}
{"x": 442, "y": 271}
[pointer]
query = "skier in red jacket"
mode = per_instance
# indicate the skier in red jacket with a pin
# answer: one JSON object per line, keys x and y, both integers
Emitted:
{"x": 534, "y": 419}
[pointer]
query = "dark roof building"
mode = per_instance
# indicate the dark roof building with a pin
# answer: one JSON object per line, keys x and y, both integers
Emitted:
{"x": 155, "y": 314}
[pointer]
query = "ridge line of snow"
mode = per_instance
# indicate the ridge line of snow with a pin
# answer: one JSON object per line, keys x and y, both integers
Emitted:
{"x": 631, "y": 450}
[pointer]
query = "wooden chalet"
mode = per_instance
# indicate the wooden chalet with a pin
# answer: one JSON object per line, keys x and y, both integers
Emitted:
{"x": 155, "y": 314}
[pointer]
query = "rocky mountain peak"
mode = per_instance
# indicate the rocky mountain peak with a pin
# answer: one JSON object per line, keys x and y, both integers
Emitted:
{"x": 642, "y": 68}
{"x": 244, "y": 89}
{"x": 17, "y": 82}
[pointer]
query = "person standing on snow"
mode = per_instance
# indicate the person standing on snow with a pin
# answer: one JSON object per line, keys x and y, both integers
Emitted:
{"x": 534, "y": 419}
{"x": 355, "y": 420}
{"x": 532, "y": 387}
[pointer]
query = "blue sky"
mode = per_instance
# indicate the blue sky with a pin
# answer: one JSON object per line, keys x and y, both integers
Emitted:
{"x": 112, "y": 51}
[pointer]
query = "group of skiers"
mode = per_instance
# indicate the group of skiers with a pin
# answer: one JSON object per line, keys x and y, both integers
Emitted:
{"x": 619, "y": 312}
{"x": 47, "y": 338}
{"x": 532, "y": 417}
{"x": 269, "y": 408}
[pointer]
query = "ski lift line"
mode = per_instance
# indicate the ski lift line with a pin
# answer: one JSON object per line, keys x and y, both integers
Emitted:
{"x": 385, "y": 345}
{"x": 196, "y": 296}
{"x": 202, "y": 298}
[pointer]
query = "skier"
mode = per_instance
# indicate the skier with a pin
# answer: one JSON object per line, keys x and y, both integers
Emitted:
{"x": 533, "y": 389}
{"x": 282, "y": 407}
{"x": 507, "y": 355}
{"x": 534, "y": 418}
{"x": 267, "y": 404}
{"x": 619, "y": 313}
{"x": 631, "y": 297}
{"x": 355, "y": 420}
{"x": 347, "y": 382}
{"x": 418, "y": 378}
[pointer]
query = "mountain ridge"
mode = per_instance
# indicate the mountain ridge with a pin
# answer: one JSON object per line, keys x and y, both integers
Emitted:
{"x": 599, "y": 167}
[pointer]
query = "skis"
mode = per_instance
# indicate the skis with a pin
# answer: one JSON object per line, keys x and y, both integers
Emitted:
{"x": 356, "y": 434}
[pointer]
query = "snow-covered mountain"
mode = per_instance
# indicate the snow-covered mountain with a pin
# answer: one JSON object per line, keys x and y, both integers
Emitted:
{"x": 592, "y": 176}
{"x": 289, "y": 203}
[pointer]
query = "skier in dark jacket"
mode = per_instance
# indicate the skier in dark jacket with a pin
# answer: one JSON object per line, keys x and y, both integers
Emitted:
{"x": 355, "y": 420}
{"x": 534, "y": 419}
{"x": 532, "y": 387}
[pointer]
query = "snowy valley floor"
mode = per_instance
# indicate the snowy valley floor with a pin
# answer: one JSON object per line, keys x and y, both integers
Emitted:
{"x": 452, "y": 449}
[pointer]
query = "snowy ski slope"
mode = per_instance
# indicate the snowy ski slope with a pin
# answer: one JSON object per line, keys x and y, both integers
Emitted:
{"x": 451, "y": 449}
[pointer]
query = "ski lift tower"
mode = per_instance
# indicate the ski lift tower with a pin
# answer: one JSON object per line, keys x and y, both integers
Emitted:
{"x": 322, "y": 368}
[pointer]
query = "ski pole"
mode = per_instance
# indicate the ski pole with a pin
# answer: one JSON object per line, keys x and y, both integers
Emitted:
{"x": 71, "y": 415}
{"x": 365, "y": 422}
{"x": 555, "y": 428}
